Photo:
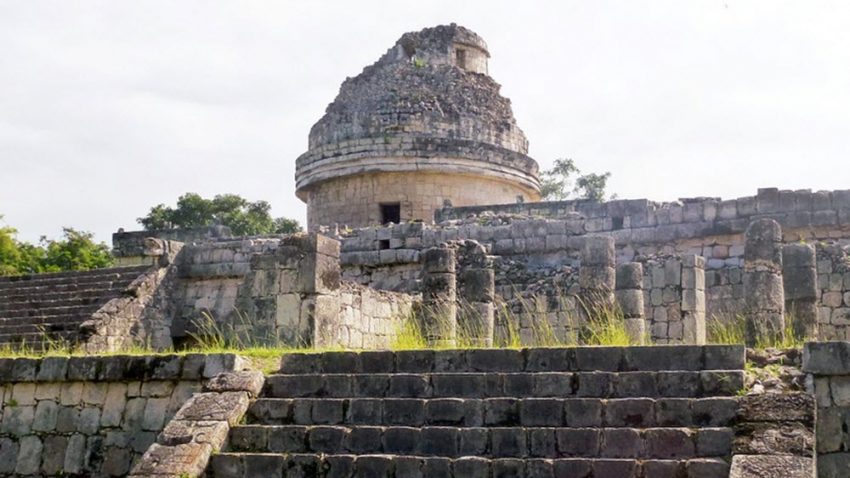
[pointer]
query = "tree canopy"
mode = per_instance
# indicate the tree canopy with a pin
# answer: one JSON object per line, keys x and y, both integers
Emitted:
{"x": 244, "y": 218}
{"x": 565, "y": 181}
{"x": 75, "y": 251}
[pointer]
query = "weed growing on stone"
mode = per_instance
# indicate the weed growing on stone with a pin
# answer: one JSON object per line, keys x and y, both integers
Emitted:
{"x": 729, "y": 331}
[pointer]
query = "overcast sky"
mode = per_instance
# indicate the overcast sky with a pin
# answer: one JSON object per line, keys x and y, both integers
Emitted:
{"x": 108, "y": 108}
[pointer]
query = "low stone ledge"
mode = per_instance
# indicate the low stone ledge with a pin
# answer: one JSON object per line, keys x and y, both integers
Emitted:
{"x": 118, "y": 368}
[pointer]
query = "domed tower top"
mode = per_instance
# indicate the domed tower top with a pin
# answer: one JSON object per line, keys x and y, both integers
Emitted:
{"x": 421, "y": 126}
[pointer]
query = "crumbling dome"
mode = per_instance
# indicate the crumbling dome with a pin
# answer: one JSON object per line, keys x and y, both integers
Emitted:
{"x": 422, "y": 126}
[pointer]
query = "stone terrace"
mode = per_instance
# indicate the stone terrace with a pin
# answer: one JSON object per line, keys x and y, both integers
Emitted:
{"x": 33, "y": 307}
{"x": 587, "y": 411}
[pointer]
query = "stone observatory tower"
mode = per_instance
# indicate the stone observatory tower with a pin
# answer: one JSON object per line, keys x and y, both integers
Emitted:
{"x": 423, "y": 125}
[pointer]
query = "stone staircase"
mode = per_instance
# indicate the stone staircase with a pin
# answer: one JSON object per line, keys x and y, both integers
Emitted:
{"x": 37, "y": 307}
{"x": 549, "y": 412}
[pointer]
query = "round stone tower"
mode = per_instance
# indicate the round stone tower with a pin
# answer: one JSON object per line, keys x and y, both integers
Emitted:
{"x": 422, "y": 126}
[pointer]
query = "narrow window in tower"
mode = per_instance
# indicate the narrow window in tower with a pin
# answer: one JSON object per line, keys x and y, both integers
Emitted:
{"x": 390, "y": 212}
{"x": 460, "y": 58}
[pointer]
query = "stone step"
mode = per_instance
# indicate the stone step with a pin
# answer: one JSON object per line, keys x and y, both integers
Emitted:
{"x": 23, "y": 316}
{"x": 52, "y": 301}
{"x": 69, "y": 323}
{"x": 75, "y": 276}
{"x": 37, "y": 340}
{"x": 264, "y": 465}
{"x": 62, "y": 288}
{"x": 669, "y": 384}
{"x": 496, "y": 412}
{"x": 566, "y": 359}
{"x": 495, "y": 442}
{"x": 44, "y": 320}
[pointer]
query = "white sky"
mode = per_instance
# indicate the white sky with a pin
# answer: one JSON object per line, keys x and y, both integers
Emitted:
{"x": 108, "y": 108}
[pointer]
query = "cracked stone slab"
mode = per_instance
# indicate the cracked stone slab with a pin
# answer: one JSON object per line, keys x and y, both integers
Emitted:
{"x": 771, "y": 466}
{"x": 211, "y": 406}
{"x": 180, "y": 432}
{"x": 247, "y": 381}
{"x": 179, "y": 460}
{"x": 776, "y": 407}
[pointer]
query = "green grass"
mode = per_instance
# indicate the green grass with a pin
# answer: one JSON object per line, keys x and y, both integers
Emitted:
{"x": 729, "y": 331}
{"x": 600, "y": 325}
{"x": 732, "y": 331}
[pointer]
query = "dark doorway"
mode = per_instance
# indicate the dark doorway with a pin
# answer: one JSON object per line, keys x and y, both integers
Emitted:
{"x": 390, "y": 212}
{"x": 460, "y": 58}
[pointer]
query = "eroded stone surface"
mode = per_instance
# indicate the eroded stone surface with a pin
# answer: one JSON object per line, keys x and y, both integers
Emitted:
{"x": 771, "y": 466}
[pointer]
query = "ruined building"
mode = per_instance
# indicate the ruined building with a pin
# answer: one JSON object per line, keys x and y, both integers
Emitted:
{"x": 423, "y": 210}
{"x": 423, "y": 126}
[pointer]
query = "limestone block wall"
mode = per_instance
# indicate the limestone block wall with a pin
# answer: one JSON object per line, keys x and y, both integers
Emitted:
{"x": 674, "y": 298}
{"x": 828, "y": 367}
{"x": 356, "y": 200}
{"x": 128, "y": 247}
{"x": 285, "y": 290}
{"x": 371, "y": 319}
{"x": 833, "y": 273}
{"x": 709, "y": 227}
{"x": 93, "y": 416}
{"x": 211, "y": 278}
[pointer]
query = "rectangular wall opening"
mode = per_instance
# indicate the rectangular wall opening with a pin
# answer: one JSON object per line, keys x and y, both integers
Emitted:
{"x": 391, "y": 212}
{"x": 460, "y": 58}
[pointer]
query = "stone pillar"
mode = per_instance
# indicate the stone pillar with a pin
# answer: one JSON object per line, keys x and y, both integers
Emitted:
{"x": 629, "y": 296}
{"x": 800, "y": 278}
{"x": 597, "y": 281}
{"x": 306, "y": 308}
{"x": 763, "y": 288}
{"x": 597, "y": 277}
{"x": 438, "y": 317}
{"x": 693, "y": 299}
{"x": 476, "y": 291}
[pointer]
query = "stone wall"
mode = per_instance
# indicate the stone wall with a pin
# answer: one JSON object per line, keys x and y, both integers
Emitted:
{"x": 285, "y": 290}
{"x": 128, "y": 247}
{"x": 833, "y": 280}
{"x": 674, "y": 298}
{"x": 356, "y": 200}
{"x": 93, "y": 416}
{"x": 828, "y": 367}
{"x": 370, "y": 319}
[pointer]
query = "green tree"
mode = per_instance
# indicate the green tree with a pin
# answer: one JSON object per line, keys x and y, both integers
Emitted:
{"x": 76, "y": 251}
{"x": 244, "y": 218}
{"x": 565, "y": 181}
{"x": 10, "y": 254}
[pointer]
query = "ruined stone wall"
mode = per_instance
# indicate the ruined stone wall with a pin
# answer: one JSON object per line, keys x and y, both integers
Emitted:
{"x": 128, "y": 247}
{"x": 93, "y": 416}
{"x": 370, "y": 319}
{"x": 833, "y": 272}
{"x": 709, "y": 227}
{"x": 211, "y": 278}
{"x": 674, "y": 298}
{"x": 828, "y": 367}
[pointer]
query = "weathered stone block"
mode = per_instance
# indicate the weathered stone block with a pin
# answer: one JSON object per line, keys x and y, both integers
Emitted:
{"x": 244, "y": 381}
{"x": 227, "y": 406}
{"x": 771, "y": 466}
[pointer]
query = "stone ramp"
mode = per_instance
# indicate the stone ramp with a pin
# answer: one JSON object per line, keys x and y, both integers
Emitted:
{"x": 576, "y": 412}
{"x": 50, "y": 307}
